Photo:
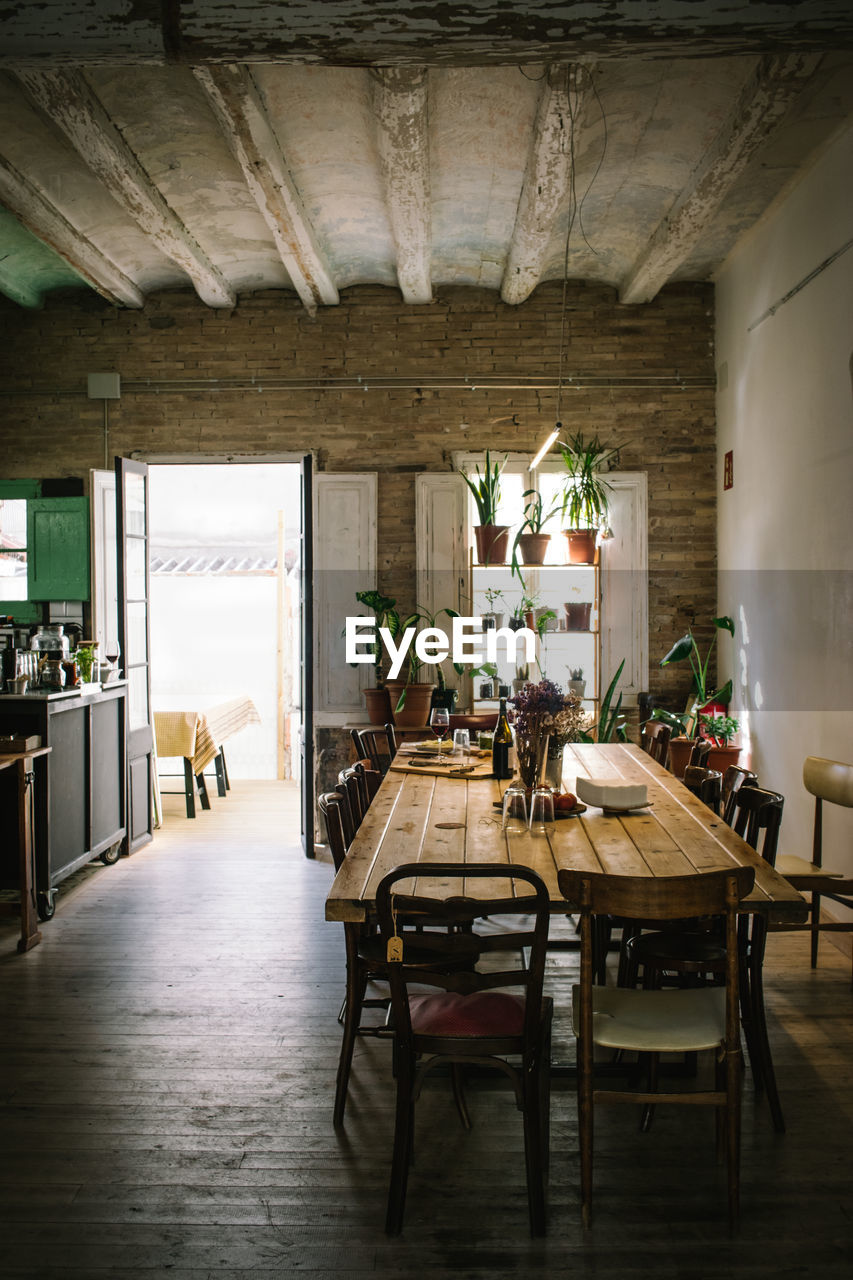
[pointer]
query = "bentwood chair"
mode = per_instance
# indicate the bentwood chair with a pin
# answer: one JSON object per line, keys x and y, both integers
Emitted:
{"x": 364, "y": 961}
{"x": 830, "y": 781}
{"x": 655, "y": 740}
{"x": 379, "y": 746}
{"x": 705, "y": 784}
{"x": 734, "y": 778}
{"x": 659, "y": 1021}
{"x": 694, "y": 953}
{"x": 701, "y": 751}
{"x": 497, "y": 1019}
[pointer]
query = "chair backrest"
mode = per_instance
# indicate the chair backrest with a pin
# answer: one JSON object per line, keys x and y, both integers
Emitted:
{"x": 829, "y": 780}
{"x": 757, "y": 811}
{"x": 826, "y": 780}
{"x": 715, "y": 893}
{"x": 734, "y": 778}
{"x": 372, "y": 778}
{"x": 352, "y": 783}
{"x": 656, "y": 736}
{"x": 379, "y": 746}
{"x": 331, "y": 806}
{"x": 705, "y": 783}
{"x": 701, "y": 751}
{"x": 418, "y": 892}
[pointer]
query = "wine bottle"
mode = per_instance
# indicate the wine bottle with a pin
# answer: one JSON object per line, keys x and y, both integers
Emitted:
{"x": 502, "y": 745}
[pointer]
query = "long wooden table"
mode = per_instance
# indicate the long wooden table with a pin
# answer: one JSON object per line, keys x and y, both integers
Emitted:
{"x": 416, "y": 818}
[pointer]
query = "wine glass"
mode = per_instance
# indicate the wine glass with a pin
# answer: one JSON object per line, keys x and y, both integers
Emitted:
{"x": 439, "y": 720}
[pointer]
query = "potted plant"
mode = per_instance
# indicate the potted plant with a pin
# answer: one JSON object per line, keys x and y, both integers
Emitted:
{"x": 577, "y": 684}
{"x": 531, "y": 539}
{"x": 685, "y": 724}
{"x": 687, "y": 649}
{"x": 493, "y": 618}
{"x": 492, "y": 538}
{"x": 721, "y": 730}
{"x": 384, "y": 610}
{"x": 412, "y": 699}
{"x": 585, "y": 502}
{"x": 522, "y": 675}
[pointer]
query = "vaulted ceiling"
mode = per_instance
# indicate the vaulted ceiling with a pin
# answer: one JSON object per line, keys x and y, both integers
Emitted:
{"x": 311, "y": 147}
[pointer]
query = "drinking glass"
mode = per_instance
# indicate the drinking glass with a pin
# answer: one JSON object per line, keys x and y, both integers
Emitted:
{"x": 439, "y": 720}
{"x": 461, "y": 741}
{"x": 541, "y": 810}
{"x": 514, "y": 820}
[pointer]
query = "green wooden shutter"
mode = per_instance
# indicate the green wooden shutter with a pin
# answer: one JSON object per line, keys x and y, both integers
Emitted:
{"x": 58, "y": 548}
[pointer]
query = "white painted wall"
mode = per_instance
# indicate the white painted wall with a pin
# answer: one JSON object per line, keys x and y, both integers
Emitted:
{"x": 785, "y": 408}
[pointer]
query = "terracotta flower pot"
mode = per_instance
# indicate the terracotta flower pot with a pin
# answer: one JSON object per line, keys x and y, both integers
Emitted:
{"x": 378, "y": 705}
{"x": 721, "y": 757}
{"x": 492, "y": 543}
{"x": 680, "y": 751}
{"x": 534, "y": 547}
{"x": 415, "y": 711}
{"x": 578, "y": 616}
{"x": 581, "y": 545}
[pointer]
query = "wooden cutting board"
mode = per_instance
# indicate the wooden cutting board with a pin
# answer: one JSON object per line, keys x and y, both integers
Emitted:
{"x": 474, "y": 768}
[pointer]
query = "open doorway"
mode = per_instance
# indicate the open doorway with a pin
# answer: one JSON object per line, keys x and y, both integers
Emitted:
{"x": 224, "y": 594}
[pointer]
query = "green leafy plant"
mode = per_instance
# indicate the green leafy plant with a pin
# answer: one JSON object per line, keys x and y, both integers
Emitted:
{"x": 384, "y": 609}
{"x": 535, "y": 519}
{"x": 486, "y": 489}
{"x": 585, "y": 501}
{"x": 422, "y": 617}
{"x": 721, "y": 729}
{"x": 686, "y": 649}
{"x": 576, "y": 673}
{"x": 611, "y": 725}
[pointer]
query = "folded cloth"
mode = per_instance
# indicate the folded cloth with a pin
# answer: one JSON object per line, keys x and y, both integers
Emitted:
{"x": 611, "y": 793}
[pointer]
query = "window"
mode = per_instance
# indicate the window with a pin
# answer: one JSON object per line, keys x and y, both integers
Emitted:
{"x": 618, "y": 623}
{"x": 13, "y": 549}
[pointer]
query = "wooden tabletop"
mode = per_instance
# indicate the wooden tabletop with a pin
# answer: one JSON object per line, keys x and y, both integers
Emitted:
{"x": 416, "y": 818}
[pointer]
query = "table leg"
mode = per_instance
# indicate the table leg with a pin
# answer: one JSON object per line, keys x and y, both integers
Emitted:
{"x": 202, "y": 791}
{"x": 189, "y": 787}
{"x": 30, "y": 932}
{"x": 222, "y": 784}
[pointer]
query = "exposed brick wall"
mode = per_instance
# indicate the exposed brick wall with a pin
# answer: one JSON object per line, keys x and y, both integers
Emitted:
{"x": 50, "y": 428}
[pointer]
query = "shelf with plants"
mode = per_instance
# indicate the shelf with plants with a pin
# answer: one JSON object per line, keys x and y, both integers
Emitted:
{"x": 562, "y": 603}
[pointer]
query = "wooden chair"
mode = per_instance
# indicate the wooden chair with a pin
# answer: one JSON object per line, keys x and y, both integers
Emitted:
{"x": 379, "y": 746}
{"x": 654, "y": 1022}
{"x": 734, "y": 778}
{"x": 701, "y": 751}
{"x": 655, "y": 740}
{"x": 694, "y": 953}
{"x": 364, "y": 961}
{"x": 465, "y": 1018}
{"x": 830, "y": 781}
{"x": 706, "y": 784}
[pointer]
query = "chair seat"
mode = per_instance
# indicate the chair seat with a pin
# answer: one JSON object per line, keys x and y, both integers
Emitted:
{"x": 655, "y": 1021}
{"x": 792, "y": 867}
{"x": 480, "y": 1014}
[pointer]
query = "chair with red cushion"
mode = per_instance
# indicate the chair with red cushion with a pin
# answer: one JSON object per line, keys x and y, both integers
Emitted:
{"x": 498, "y": 1018}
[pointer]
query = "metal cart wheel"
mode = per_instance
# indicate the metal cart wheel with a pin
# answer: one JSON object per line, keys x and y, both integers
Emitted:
{"x": 46, "y": 905}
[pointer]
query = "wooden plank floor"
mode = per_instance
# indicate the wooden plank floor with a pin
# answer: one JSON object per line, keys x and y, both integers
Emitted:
{"x": 168, "y": 1064}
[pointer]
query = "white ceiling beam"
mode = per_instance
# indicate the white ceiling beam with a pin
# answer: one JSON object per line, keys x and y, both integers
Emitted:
{"x": 241, "y": 113}
{"x": 32, "y": 208}
{"x": 400, "y": 103}
{"x": 760, "y": 107}
{"x": 547, "y": 180}
{"x": 69, "y": 101}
